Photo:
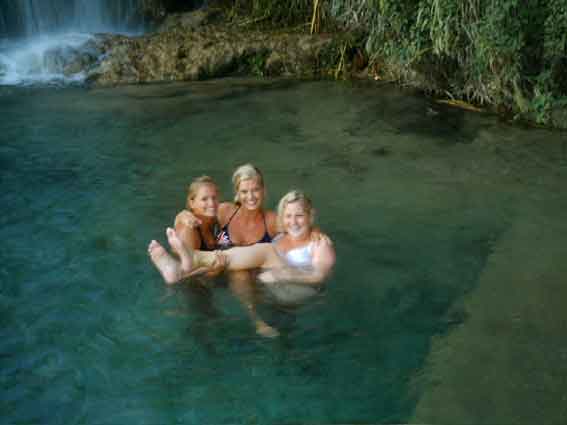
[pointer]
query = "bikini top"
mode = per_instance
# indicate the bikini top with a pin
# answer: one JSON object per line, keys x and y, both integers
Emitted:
{"x": 223, "y": 238}
{"x": 301, "y": 257}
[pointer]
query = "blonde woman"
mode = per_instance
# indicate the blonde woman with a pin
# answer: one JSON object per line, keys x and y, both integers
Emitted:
{"x": 203, "y": 202}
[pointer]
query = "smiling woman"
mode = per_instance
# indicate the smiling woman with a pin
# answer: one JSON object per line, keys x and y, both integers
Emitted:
{"x": 203, "y": 202}
{"x": 245, "y": 221}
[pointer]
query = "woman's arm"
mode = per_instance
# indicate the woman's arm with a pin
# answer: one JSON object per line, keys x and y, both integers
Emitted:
{"x": 187, "y": 218}
{"x": 187, "y": 231}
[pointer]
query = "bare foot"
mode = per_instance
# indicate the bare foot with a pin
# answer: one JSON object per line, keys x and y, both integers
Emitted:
{"x": 169, "y": 268}
{"x": 265, "y": 330}
{"x": 177, "y": 246}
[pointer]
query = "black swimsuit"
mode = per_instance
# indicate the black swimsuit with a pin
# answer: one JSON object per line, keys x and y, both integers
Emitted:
{"x": 224, "y": 241}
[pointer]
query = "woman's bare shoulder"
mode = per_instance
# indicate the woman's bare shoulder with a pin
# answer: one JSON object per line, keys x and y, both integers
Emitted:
{"x": 182, "y": 218}
{"x": 226, "y": 210}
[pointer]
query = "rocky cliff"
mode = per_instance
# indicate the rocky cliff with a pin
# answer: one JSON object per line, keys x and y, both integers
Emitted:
{"x": 195, "y": 46}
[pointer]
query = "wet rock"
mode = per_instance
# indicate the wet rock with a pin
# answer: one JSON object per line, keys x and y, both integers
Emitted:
{"x": 189, "y": 47}
{"x": 274, "y": 65}
{"x": 188, "y": 21}
{"x": 69, "y": 60}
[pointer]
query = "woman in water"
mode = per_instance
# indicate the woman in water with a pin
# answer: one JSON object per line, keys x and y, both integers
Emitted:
{"x": 293, "y": 258}
{"x": 243, "y": 222}
{"x": 203, "y": 202}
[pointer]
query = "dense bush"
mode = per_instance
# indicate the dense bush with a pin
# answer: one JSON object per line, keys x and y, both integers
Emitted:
{"x": 506, "y": 53}
{"x": 501, "y": 52}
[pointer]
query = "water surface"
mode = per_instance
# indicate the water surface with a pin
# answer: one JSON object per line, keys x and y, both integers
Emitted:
{"x": 446, "y": 302}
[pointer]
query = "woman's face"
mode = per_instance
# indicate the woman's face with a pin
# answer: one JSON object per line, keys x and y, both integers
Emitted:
{"x": 206, "y": 201}
{"x": 251, "y": 194}
{"x": 296, "y": 221}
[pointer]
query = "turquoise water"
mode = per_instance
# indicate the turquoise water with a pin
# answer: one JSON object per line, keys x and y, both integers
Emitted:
{"x": 449, "y": 228}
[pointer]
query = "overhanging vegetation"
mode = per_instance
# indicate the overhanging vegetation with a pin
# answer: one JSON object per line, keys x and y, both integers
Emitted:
{"x": 508, "y": 54}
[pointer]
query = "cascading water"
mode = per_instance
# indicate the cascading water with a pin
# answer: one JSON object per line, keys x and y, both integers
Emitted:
{"x": 39, "y": 17}
{"x": 30, "y": 30}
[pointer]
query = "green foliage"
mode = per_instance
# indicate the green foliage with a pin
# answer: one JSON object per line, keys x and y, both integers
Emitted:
{"x": 542, "y": 105}
{"x": 501, "y": 52}
{"x": 256, "y": 63}
{"x": 275, "y": 12}
{"x": 510, "y": 54}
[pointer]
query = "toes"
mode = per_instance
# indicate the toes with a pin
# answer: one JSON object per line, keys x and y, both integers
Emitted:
{"x": 155, "y": 249}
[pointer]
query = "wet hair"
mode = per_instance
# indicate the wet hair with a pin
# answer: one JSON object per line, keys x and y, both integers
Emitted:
{"x": 245, "y": 172}
{"x": 197, "y": 184}
{"x": 292, "y": 197}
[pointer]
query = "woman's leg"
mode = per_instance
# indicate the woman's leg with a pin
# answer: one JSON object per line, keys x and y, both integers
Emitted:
{"x": 193, "y": 262}
{"x": 256, "y": 256}
{"x": 242, "y": 286}
{"x": 189, "y": 263}
{"x": 168, "y": 266}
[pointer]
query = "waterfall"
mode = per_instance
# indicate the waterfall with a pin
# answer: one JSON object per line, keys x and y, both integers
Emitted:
{"x": 32, "y": 30}
{"x": 31, "y": 18}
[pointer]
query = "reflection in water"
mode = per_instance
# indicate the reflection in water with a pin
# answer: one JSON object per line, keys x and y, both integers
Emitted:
{"x": 446, "y": 298}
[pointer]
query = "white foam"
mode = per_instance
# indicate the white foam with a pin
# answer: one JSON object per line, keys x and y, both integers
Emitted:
{"x": 24, "y": 62}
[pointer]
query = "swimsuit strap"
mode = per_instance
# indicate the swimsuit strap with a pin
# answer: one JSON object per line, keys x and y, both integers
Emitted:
{"x": 223, "y": 236}
{"x": 266, "y": 238}
{"x": 231, "y": 217}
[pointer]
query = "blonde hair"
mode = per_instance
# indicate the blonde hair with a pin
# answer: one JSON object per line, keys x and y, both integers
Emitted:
{"x": 195, "y": 185}
{"x": 246, "y": 172}
{"x": 291, "y": 197}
